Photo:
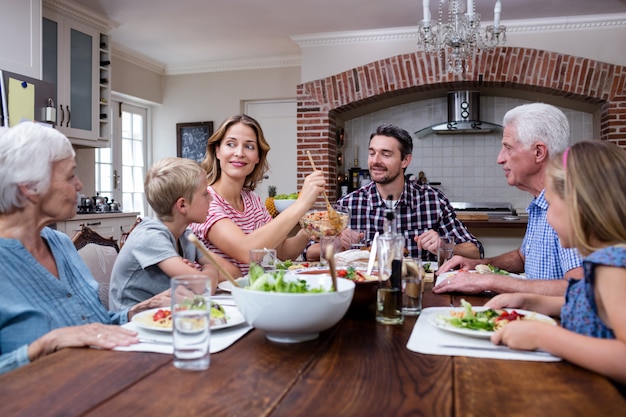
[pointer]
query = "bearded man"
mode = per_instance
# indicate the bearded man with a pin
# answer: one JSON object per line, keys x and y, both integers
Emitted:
{"x": 423, "y": 213}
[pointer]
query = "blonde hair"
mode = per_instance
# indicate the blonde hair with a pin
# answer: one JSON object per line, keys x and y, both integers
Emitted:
{"x": 168, "y": 180}
{"x": 212, "y": 165}
{"x": 589, "y": 177}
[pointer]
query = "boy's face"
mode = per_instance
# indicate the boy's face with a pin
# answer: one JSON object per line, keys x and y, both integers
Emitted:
{"x": 558, "y": 216}
{"x": 199, "y": 207}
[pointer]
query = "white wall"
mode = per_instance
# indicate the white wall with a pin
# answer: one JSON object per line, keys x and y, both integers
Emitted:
{"x": 213, "y": 97}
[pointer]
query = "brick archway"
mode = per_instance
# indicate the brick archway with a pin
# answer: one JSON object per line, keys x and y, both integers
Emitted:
{"x": 322, "y": 102}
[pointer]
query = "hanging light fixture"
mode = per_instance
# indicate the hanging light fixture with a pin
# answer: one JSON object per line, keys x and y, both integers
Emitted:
{"x": 460, "y": 38}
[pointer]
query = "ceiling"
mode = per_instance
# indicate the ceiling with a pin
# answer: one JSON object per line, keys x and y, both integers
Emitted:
{"x": 186, "y": 32}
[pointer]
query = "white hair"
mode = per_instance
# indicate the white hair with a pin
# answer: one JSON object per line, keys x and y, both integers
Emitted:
{"x": 27, "y": 152}
{"x": 539, "y": 122}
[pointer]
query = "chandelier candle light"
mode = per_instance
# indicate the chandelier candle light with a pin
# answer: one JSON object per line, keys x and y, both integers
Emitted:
{"x": 459, "y": 39}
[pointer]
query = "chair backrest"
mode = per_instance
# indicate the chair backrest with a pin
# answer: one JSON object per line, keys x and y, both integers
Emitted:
{"x": 99, "y": 253}
{"x": 125, "y": 234}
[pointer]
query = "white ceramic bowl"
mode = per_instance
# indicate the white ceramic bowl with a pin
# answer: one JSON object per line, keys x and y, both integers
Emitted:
{"x": 294, "y": 318}
{"x": 281, "y": 205}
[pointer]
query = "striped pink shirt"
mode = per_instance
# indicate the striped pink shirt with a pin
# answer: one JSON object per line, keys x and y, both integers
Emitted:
{"x": 253, "y": 216}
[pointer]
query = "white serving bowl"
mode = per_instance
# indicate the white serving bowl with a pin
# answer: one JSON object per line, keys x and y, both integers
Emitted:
{"x": 294, "y": 318}
{"x": 281, "y": 205}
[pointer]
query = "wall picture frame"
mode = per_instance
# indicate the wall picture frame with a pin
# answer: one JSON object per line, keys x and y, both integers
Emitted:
{"x": 192, "y": 138}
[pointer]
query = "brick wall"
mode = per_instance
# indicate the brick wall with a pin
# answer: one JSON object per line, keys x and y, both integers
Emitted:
{"x": 325, "y": 102}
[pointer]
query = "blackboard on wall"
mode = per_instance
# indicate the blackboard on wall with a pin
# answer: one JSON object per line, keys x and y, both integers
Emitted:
{"x": 192, "y": 138}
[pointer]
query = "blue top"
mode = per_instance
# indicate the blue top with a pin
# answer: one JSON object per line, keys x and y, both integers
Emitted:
{"x": 544, "y": 257}
{"x": 33, "y": 301}
{"x": 136, "y": 275}
{"x": 580, "y": 312}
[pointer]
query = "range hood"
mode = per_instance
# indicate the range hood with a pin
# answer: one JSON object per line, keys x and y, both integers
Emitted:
{"x": 463, "y": 117}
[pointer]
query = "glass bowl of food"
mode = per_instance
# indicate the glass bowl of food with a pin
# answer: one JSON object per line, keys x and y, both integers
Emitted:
{"x": 318, "y": 223}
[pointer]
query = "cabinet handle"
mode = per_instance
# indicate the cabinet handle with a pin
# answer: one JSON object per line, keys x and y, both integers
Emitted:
{"x": 62, "y": 116}
{"x": 94, "y": 224}
{"x": 69, "y": 116}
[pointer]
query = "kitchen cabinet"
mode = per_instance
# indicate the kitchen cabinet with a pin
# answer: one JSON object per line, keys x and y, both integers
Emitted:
{"x": 21, "y": 37}
{"x": 77, "y": 59}
{"x": 107, "y": 225}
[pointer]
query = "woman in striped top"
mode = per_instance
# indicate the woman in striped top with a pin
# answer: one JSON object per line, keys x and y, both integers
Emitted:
{"x": 237, "y": 220}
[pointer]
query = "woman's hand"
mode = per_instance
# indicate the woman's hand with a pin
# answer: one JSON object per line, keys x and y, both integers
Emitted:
{"x": 98, "y": 335}
{"x": 313, "y": 186}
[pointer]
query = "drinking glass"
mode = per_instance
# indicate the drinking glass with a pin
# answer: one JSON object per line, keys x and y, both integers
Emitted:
{"x": 265, "y": 258}
{"x": 191, "y": 326}
{"x": 325, "y": 242}
{"x": 445, "y": 250}
{"x": 412, "y": 286}
{"x": 360, "y": 244}
{"x": 390, "y": 250}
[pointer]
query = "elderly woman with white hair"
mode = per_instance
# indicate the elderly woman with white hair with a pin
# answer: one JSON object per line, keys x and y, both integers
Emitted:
{"x": 48, "y": 297}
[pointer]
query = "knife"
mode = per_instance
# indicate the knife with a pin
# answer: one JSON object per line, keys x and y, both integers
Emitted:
{"x": 498, "y": 349}
{"x": 370, "y": 262}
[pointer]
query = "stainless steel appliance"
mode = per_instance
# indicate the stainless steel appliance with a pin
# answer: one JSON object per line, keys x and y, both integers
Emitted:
{"x": 493, "y": 209}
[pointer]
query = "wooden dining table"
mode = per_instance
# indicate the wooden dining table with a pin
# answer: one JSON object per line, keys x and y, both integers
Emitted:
{"x": 357, "y": 368}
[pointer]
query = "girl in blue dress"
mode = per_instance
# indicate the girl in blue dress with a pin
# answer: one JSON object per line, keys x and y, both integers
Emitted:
{"x": 585, "y": 190}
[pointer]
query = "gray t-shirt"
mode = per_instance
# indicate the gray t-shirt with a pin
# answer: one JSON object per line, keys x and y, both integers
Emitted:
{"x": 136, "y": 275}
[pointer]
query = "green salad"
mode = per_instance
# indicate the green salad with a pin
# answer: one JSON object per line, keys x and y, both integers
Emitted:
{"x": 487, "y": 320}
{"x": 275, "y": 281}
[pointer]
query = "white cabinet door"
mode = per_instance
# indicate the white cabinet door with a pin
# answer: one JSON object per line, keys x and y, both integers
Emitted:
{"x": 71, "y": 53}
{"x": 20, "y": 32}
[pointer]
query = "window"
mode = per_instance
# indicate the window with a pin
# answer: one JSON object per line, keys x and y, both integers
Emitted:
{"x": 120, "y": 169}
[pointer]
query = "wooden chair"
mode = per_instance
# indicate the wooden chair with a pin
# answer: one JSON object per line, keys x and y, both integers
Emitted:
{"x": 125, "y": 234}
{"x": 99, "y": 253}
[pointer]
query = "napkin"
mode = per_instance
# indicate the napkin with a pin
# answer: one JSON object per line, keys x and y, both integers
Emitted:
{"x": 429, "y": 339}
{"x": 220, "y": 339}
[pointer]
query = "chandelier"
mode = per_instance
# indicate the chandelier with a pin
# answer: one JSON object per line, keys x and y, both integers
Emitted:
{"x": 459, "y": 38}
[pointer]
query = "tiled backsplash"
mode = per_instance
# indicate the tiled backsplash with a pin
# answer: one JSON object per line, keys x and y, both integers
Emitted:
{"x": 464, "y": 164}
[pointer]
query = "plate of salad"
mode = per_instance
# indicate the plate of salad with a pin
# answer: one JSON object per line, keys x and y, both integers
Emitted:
{"x": 160, "y": 319}
{"x": 482, "y": 322}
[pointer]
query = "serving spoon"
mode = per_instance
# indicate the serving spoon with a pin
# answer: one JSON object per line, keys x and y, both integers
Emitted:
{"x": 194, "y": 239}
{"x": 330, "y": 257}
{"x": 333, "y": 217}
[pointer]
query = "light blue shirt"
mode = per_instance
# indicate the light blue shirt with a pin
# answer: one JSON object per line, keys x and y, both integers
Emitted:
{"x": 136, "y": 275}
{"x": 33, "y": 301}
{"x": 544, "y": 257}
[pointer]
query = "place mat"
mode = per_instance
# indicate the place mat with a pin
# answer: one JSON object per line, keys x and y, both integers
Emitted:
{"x": 431, "y": 340}
{"x": 220, "y": 339}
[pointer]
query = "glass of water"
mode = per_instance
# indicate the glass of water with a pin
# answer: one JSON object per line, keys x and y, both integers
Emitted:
{"x": 191, "y": 326}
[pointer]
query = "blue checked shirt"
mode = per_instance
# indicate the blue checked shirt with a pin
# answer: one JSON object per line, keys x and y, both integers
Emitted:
{"x": 420, "y": 208}
{"x": 544, "y": 257}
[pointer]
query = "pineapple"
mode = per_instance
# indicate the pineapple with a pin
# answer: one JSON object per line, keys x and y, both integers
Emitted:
{"x": 269, "y": 201}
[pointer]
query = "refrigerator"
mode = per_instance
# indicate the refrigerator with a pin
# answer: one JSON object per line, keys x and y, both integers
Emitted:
{"x": 26, "y": 99}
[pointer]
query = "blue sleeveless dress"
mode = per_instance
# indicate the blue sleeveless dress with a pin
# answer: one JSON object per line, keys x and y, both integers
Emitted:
{"x": 580, "y": 312}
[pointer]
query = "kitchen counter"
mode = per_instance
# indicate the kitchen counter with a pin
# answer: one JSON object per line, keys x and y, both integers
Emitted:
{"x": 496, "y": 234}
{"x": 497, "y": 223}
{"x": 104, "y": 215}
{"x": 107, "y": 224}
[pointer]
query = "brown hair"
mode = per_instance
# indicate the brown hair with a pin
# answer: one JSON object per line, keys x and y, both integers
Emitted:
{"x": 590, "y": 178}
{"x": 211, "y": 164}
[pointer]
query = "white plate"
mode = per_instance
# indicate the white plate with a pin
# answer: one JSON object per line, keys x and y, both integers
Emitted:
{"x": 234, "y": 318}
{"x": 451, "y": 274}
{"x": 438, "y": 321}
{"x": 228, "y": 286}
